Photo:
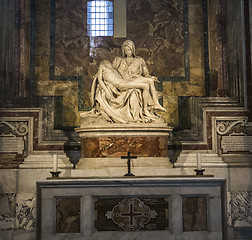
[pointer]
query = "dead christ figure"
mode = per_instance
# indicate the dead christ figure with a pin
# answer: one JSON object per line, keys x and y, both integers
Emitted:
{"x": 107, "y": 73}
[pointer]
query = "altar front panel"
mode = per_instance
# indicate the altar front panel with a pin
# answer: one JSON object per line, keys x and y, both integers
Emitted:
{"x": 132, "y": 208}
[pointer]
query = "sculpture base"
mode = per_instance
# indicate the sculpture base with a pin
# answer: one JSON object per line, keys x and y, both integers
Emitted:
{"x": 115, "y": 147}
{"x": 103, "y": 145}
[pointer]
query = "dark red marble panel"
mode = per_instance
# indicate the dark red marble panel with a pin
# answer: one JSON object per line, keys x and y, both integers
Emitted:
{"x": 141, "y": 208}
{"x": 119, "y": 146}
{"x": 68, "y": 215}
{"x": 194, "y": 213}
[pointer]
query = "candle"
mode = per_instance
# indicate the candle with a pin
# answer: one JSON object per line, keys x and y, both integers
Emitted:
{"x": 198, "y": 161}
{"x": 55, "y": 162}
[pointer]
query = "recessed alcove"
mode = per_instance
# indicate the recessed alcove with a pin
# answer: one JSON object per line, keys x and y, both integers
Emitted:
{"x": 200, "y": 51}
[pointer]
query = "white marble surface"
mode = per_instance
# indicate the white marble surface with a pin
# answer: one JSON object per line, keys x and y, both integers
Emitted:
{"x": 8, "y": 180}
{"x": 141, "y": 163}
{"x": 41, "y": 160}
{"x": 240, "y": 179}
{"x": 189, "y": 159}
{"x": 130, "y": 129}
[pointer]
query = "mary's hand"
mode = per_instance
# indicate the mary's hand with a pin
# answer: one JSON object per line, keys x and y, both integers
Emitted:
{"x": 108, "y": 94}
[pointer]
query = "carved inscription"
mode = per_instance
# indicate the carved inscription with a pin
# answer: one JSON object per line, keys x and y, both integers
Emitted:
{"x": 236, "y": 143}
{"x": 11, "y": 144}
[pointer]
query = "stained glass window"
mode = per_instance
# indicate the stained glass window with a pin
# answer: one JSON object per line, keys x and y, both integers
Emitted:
{"x": 100, "y": 18}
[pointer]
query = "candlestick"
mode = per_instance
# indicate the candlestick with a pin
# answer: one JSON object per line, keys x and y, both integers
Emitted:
{"x": 199, "y": 172}
{"x": 198, "y": 161}
{"x": 55, "y": 163}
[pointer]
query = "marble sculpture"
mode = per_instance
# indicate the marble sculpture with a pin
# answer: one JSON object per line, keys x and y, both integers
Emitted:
{"x": 124, "y": 91}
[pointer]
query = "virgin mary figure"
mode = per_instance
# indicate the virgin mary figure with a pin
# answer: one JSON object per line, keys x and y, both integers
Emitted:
{"x": 124, "y": 91}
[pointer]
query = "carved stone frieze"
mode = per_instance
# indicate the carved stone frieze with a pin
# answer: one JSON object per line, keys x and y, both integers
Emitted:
{"x": 17, "y": 128}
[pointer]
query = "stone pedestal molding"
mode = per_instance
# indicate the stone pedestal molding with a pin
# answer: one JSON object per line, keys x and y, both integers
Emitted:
{"x": 115, "y": 130}
{"x": 40, "y": 160}
{"x": 102, "y": 145}
{"x": 187, "y": 159}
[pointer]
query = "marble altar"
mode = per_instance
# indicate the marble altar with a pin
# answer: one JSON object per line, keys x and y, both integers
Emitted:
{"x": 132, "y": 208}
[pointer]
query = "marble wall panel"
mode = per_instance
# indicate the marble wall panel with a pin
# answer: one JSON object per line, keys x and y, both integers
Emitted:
{"x": 26, "y": 211}
{"x": 8, "y": 190}
{"x": 8, "y": 180}
{"x": 158, "y": 27}
{"x": 194, "y": 213}
{"x": 71, "y": 44}
{"x": 235, "y": 46}
{"x": 44, "y": 75}
{"x": 194, "y": 84}
{"x": 119, "y": 146}
{"x": 8, "y": 86}
{"x": 155, "y": 26}
{"x": 7, "y": 210}
{"x": 248, "y": 39}
{"x": 67, "y": 60}
{"x": 239, "y": 209}
{"x": 68, "y": 215}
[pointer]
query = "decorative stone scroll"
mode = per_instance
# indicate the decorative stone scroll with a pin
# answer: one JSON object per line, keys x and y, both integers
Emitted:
{"x": 13, "y": 136}
{"x": 223, "y": 127}
{"x": 17, "y": 128}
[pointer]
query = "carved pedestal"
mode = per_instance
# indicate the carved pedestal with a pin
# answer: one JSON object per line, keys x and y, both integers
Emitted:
{"x": 103, "y": 145}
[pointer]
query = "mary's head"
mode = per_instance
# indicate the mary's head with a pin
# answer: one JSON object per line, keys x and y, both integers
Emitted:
{"x": 128, "y": 44}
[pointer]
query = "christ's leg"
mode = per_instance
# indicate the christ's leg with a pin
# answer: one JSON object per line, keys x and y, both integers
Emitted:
{"x": 146, "y": 94}
{"x": 153, "y": 91}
